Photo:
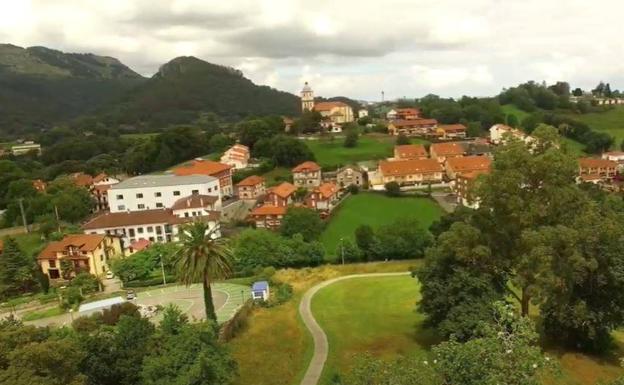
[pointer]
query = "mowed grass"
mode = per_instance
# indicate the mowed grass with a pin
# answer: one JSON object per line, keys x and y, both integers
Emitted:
{"x": 35, "y": 315}
{"x": 275, "y": 348}
{"x": 277, "y": 176}
{"x": 610, "y": 121}
{"x": 511, "y": 109}
{"x": 573, "y": 147}
{"x": 375, "y": 210}
{"x": 370, "y": 315}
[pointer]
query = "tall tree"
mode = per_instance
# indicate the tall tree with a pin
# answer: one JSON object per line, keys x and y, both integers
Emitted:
{"x": 16, "y": 270}
{"x": 203, "y": 257}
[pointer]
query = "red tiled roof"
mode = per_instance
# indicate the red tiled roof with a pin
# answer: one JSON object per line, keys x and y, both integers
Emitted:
{"x": 140, "y": 244}
{"x": 143, "y": 217}
{"x": 469, "y": 163}
{"x": 446, "y": 149}
{"x": 306, "y": 167}
{"x": 327, "y": 190}
{"x": 99, "y": 177}
{"x": 407, "y": 111}
{"x": 283, "y": 190}
{"x": 452, "y": 127}
{"x": 81, "y": 179}
{"x": 326, "y": 106}
{"x": 413, "y": 122}
{"x": 85, "y": 242}
{"x": 596, "y": 163}
{"x": 268, "y": 210}
{"x": 201, "y": 167}
{"x": 408, "y": 167}
{"x": 252, "y": 180}
{"x": 39, "y": 185}
{"x": 409, "y": 151}
{"x": 194, "y": 201}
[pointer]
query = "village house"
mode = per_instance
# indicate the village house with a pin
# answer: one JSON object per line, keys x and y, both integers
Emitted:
{"x": 281, "y": 195}
{"x": 26, "y": 148}
{"x": 251, "y": 188}
{"x": 323, "y": 198}
{"x": 333, "y": 114}
{"x": 350, "y": 175}
{"x": 236, "y": 156}
{"x": 615, "y": 156}
{"x": 222, "y": 172}
{"x": 464, "y": 188}
{"x": 499, "y": 132}
{"x": 98, "y": 187}
{"x": 403, "y": 114}
{"x": 39, "y": 185}
{"x": 410, "y": 151}
{"x": 594, "y": 170}
{"x": 478, "y": 146}
{"x": 411, "y": 172}
{"x": 362, "y": 113}
{"x": 148, "y": 192}
{"x": 268, "y": 216}
{"x": 412, "y": 127}
{"x": 81, "y": 179}
{"x": 136, "y": 246}
{"x": 442, "y": 151}
{"x": 466, "y": 164}
{"x": 86, "y": 252}
{"x": 307, "y": 174}
{"x": 157, "y": 225}
{"x": 451, "y": 131}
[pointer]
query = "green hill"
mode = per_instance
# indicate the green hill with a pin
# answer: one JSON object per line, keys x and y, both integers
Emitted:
{"x": 40, "y": 87}
{"x": 610, "y": 121}
{"x": 186, "y": 86}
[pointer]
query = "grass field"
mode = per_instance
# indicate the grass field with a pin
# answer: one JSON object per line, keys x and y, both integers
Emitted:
{"x": 610, "y": 121}
{"x": 277, "y": 176}
{"x": 374, "y": 210}
{"x": 275, "y": 348}
{"x": 330, "y": 153}
{"x": 510, "y": 109}
{"x": 372, "y": 315}
{"x": 30, "y": 243}
{"x": 35, "y": 315}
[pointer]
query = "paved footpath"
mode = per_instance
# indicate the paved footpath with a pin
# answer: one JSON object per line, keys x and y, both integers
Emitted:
{"x": 315, "y": 369}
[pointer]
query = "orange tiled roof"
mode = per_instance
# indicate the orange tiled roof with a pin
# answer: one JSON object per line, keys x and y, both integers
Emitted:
{"x": 446, "y": 149}
{"x": 194, "y": 201}
{"x": 326, "y": 106}
{"x": 408, "y": 167}
{"x": 252, "y": 180}
{"x": 408, "y": 151}
{"x": 306, "y": 167}
{"x": 400, "y": 123}
{"x": 407, "y": 111}
{"x": 452, "y": 127}
{"x": 39, "y": 185}
{"x": 140, "y": 244}
{"x": 81, "y": 179}
{"x": 327, "y": 190}
{"x": 283, "y": 190}
{"x": 469, "y": 163}
{"x": 268, "y": 210}
{"x": 99, "y": 177}
{"x": 85, "y": 242}
{"x": 201, "y": 167}
{"x": 597, "y": 163}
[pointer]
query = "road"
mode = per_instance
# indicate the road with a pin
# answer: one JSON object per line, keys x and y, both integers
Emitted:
{"x": 321, "y": 346}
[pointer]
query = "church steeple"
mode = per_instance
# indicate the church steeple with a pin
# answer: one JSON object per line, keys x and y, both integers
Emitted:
{"x": 307, "y": 98}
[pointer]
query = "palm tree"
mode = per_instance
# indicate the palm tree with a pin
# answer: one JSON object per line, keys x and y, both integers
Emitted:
{"x": 202, "y": 257}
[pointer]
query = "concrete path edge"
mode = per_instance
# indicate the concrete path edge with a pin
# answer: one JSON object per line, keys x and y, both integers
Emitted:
{"x": 321, "y": 346}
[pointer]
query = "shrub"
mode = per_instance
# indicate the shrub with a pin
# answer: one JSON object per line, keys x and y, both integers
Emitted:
{"x": 150, "y": 281}
{"x": 392, "y": 189}
{"x": 353, "y": 189}
{"x": 112, "y": 315}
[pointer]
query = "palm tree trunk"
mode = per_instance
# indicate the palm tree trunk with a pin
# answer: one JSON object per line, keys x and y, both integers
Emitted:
{"x": 210, "y": 311}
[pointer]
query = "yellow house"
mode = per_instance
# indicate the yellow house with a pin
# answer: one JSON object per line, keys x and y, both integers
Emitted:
{"x": 86, "y": 252}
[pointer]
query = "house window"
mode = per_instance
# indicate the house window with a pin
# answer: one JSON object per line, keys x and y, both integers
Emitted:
{"x": 159, "y": 238}
{"x": 176, "y": 193}
{"x": 186, "y": 214}
{"x": 209, "y": 189}
{"x": 119, "y": 196}
{"x": 140, "y": 206}
{"x": 121, "y": 207}
{"x": 158, "y": 194}
{"x": 151, "y": 239}
{"x": 139, "y": 195}
{"x": 196, "y": 191}
{"x": 150, "y": 229}
{"x": 140, "y": 230}
{"x": 52, "y": 263}
{"x": 159, "y": 205}
{"x": 131, "y": 232}
{"x": 158, "y": 230}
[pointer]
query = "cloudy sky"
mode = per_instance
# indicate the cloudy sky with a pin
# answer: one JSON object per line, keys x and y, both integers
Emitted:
{"x": 355, "y": 48}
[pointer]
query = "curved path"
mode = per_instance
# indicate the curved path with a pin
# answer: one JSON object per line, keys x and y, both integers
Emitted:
{"x": 321, "y": 347}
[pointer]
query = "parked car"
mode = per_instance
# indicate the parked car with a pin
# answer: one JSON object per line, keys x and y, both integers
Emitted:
{"x": 130, "y": 295}
{"x": 109, "y": 275}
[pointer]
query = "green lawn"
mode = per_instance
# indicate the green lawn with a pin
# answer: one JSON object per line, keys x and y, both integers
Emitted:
{"x": 575, "y": 148}
{"x": 277, "y": 176}
{"x": 30, "y": 243}
{"x": 370, "y": 315}
{"x": 35, "y": 315}
{"x": 375, "y": 210}
{"x": 610, "y": 121}
{"x": 331, "y": 153}
{"x": 511, "y": 109}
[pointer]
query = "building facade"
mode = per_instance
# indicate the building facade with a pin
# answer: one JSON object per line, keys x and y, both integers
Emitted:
{"x": 221, "y": 171}
{"x": 236, "y": 156}
{"x": 149, "y": 192}
{"x": 281, "y": 195}
{"x": 267, "y": 216}
{"x": 323, "y": 198}
{"x": 307, "y": 98}
{"x": 443, "y": 151}
{"x": 350, "y": 176}
{"x": 413, "y": 127}
{"x": 307, "y": 174}
{"x": 595, "y": 169}
{"x": 411, "y": 172}
{"x": 251, "y": 188}
{"x": 466, "y": 164}
{"x": 85, "y": 252}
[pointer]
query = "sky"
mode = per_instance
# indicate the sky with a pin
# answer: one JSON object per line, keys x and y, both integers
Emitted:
{"x": 354, "y": 48}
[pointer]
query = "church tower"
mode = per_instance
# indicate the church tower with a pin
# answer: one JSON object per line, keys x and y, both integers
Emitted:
{"x": 307, "y": 98}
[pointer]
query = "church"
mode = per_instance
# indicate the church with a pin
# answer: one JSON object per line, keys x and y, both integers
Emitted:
{"x": 334, "y": 114}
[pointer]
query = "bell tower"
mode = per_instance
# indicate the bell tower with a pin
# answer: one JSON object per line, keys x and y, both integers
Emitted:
{"x": 307, "y": 98}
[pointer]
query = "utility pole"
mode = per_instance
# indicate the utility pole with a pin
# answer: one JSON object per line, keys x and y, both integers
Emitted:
{"x": 162, "y": 269}
{"x": 21, "y": 205}
{"x": 58, "y": 220}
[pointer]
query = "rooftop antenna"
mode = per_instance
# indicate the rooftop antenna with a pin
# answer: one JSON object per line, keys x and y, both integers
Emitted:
{"x": 382, "y": 96}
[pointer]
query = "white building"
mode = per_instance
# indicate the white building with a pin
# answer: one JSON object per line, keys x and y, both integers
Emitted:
{"x": 157, "y": 225}
{"x": 236, "y": 156}
{"x": 25, "y": 148}
{"x": 362, "y": 113}
{"x": 499, "y": 131}
{"x": 148, "y": 192}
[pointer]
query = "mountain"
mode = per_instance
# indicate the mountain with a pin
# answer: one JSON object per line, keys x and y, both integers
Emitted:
{"x": 186, "y": 86}
{"x": 40, "y": 87}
